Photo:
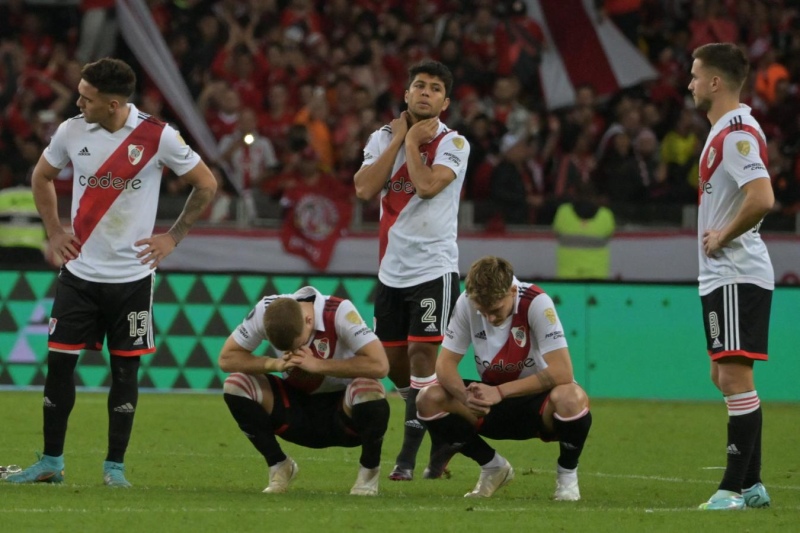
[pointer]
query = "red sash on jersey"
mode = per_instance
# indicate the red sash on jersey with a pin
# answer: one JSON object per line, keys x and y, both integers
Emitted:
{"x": 128, "y": 159}
{"x": 507, "y": 364}
{"x": 401, "y": 190}
{"x": 712, "y": 157}
{"x": 323, "y": 347}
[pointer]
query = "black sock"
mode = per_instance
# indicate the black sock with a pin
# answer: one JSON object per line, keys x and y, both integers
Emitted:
{"x": 255, "y": 423}
{"x": 571, "y": 438}
{"x": 753, "y": 474}
{"x": 455, "y": 431}
{"x": 742, "y": 433}
{"x": 370, "y": 420}
{"x": 59, "y": 399}
{"x": 413, "y": 433}
{"x": 122, "y": 400}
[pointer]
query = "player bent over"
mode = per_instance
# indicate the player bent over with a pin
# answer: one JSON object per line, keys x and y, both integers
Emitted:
{"x": 328, "y": 393}
{"x": 526, "y": 389}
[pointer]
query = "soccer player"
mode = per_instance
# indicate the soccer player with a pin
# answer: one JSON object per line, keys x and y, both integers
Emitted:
{"x": 736, "y": 277}
{"x": 526, "y": 388}
{"x": 417, "y": 164}
{"x": 105, "y": 289}
{"x": 329, "y": 393}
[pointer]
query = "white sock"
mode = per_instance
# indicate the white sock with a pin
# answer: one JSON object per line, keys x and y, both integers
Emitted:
{"x": 496, "y": 462}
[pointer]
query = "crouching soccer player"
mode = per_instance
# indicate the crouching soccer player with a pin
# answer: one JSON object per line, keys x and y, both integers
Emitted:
{"x": 526, "y": 389}
{"x": 328, "y": 393}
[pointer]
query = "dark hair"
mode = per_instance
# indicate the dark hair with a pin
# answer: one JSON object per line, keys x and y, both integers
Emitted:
{"x": 110, "y": 76}
{"x": 435, "y": 69}
{"x": 727, "y": 58}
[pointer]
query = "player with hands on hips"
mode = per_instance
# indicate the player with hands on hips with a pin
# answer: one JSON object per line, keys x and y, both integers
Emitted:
{"x": 105, "y": 288}
{"x": 526, "y": 388}
{"x": 736, "y": 278}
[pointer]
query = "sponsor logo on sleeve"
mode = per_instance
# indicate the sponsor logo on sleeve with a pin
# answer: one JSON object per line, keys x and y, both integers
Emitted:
{"x": 243, "y": 331}
{"x": 754, "y": 166}
{"x": 452, "y": 158}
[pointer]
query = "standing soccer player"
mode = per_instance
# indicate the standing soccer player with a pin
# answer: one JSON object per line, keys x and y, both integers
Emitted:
{"x": 736, "y": 276}
{"x": 105, "y": 289}
{"x": 526, "y": 388}
{"x": 417, "y": 164}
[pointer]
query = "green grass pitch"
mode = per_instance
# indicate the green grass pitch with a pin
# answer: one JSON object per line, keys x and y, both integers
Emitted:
{"x": 646, "y": 467}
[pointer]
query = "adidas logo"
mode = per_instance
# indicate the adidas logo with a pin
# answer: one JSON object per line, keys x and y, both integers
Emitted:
{"x": 138, "y": 341}
{"x": 414, "y": 424}
{"x": 126, "y": 408}
{"x": 431, "y": 328}
{"x": 716, "y": 344}
{"x": 481, "y": 335}
{"x": 733, "y": 450}
{"x": 85, "y": 151}
{"x": 48, "y": 403}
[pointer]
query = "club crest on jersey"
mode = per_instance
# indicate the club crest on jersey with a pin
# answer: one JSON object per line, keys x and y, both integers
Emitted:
{"x": 323, "y": 347}
{"x": 712, "y": 154}
{"x": 743, "y": 147}
{"x": 135, "y": 152}
{"x": 520, "y": 336}
{"x": 424, "y": 156}
{"x": 52, "y": 326}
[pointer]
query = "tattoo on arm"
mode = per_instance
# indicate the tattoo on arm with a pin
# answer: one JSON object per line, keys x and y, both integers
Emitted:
{"x": 195, "y": 204}
{"x": 546, "y": 380}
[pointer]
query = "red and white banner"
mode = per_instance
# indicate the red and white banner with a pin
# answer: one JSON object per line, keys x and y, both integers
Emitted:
{"x": 313, "y": 224}
{"x": 581, "y": 48}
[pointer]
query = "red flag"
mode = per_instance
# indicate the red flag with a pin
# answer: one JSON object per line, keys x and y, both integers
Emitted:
{"x": 315, "y": 220}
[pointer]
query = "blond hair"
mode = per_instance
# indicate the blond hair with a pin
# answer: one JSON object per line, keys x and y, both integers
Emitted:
{"x": 489, "y": 280}
{"x": 283, "y": 323}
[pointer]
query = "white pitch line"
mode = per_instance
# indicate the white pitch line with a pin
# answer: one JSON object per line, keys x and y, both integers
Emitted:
{"x": 558, "y": 508}
{"x": 658, "y": 478}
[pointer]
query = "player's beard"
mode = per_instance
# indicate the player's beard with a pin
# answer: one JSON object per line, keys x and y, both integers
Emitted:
{"x": 702, "y": 104}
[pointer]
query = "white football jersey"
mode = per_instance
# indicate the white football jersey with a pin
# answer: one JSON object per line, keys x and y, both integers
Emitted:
{"x": 516, "y": 348}
{"x": 418, "y": 237}
{"x": 340, "y": 333}
{"x": 735, "y": 154}
{"x": 116, "y": 183}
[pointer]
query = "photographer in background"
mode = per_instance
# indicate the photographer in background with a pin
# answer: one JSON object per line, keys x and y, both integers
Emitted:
{"x": 248, "y": 159}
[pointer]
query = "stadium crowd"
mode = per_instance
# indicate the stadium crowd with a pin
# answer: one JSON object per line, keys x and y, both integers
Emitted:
{"x": 310, "y": 80}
